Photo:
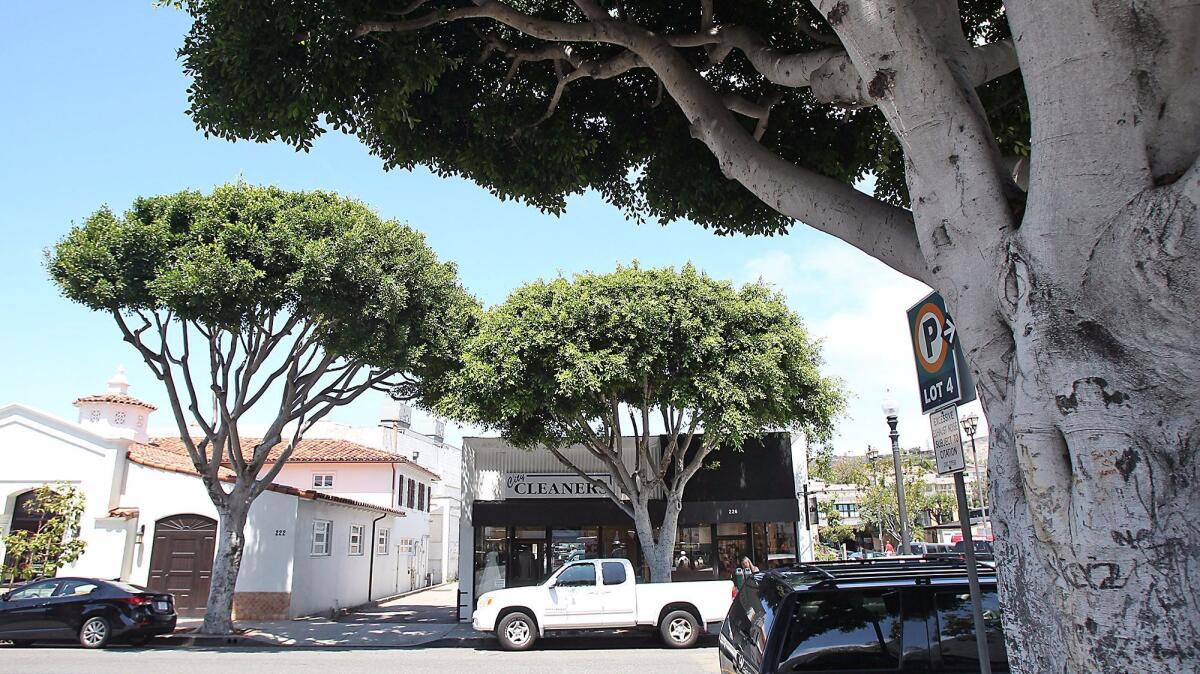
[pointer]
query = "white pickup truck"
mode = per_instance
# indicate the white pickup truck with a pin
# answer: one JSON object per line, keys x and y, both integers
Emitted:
{"x": 602, "y": 594}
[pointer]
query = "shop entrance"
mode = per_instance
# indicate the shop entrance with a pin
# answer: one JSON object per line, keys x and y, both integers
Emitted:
{"x": 528, "y": 563}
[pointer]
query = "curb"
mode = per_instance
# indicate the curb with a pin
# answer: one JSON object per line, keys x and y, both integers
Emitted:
{"x": 211, "y": 640}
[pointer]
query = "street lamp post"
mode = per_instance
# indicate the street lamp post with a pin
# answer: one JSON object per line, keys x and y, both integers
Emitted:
{"x": 970, "y": 424}
{"x": 891, "y": 409}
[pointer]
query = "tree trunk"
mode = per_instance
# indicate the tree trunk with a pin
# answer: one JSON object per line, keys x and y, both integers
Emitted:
{"x": 658, "y": 550}
{"x": 218, "y": 616}
{"x": 1094, "y": 442}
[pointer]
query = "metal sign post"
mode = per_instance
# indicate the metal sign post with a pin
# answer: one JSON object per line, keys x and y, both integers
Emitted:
{"x": 935, "y": 346}
{"x": 985, "y": 663}
{"x": 948, "y": 453}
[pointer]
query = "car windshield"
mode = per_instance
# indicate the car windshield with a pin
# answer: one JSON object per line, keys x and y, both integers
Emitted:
{"x": 133, "y": 589}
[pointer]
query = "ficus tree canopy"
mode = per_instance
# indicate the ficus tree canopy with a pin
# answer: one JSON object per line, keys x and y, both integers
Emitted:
{"x": 600, "y": 360}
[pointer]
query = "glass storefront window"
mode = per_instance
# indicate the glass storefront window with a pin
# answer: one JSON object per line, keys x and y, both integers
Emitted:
{"x": 695, "y": 558}
{"x": 774, "y": 544}
{"x": 491, "y": 559}
{"x": 733, "y": 544}
{"x": 570, "y": 545}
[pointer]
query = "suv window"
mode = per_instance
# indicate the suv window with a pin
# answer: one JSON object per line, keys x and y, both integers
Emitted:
{"x": 956, "y": 630}
{"x": 613, "y": 572}
{"x": 35, "y": 591}
{"x": 577, "y": 575}
{"x": 852, "y": 630}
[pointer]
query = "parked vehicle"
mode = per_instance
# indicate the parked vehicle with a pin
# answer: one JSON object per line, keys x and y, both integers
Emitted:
{"x": 601, "y": 594}
{"x": 93, "y": 612}
{"x": 897, "y": 614}
{"x": 985, "y": 550}
{"x": 923, "y": 548}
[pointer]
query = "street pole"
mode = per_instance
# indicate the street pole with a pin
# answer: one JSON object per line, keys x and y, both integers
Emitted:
{"x": 960, "y": 488}
{"x": 979, "y": 485}
{"x": 970, "y": 424}
{"x": 895, "y": 436}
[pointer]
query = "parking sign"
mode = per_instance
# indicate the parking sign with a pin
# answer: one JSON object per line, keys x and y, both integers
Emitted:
{"x": 937, "y": 354}
{"x": 947, "y": 442}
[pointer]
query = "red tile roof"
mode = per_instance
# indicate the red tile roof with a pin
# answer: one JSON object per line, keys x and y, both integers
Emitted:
{"x": 309, "y": 450}
{"x": 173, "y": 457}
{"x": 114, "y": 398}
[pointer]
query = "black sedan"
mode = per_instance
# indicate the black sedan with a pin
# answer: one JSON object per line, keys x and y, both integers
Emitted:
{"x": 93, "y": 612}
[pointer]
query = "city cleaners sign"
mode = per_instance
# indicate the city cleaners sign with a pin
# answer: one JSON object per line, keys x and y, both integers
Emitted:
{"x": 554, "y": 485}
{"x": 935, "y": 347}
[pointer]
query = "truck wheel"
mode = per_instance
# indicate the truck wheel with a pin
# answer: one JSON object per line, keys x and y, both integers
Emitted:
{"x": 516, "y": 632}
{"x": 679, "y": 629}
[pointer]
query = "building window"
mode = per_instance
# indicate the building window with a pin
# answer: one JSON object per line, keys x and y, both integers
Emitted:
{"x": 421, "y": 496}
{"x": 491, "y": 559}
{"x": 405, "y": 546}
{"x": 320, "y": 537}
{"x": 774, "y": 544}
{"x": 846, "y": 509}
{"x": 383, "y": 540}
{"x": 572, "y": 545}
{"x": 412, "y": 493}
{"x": 695, "y": 558}
{"x": 322, "y": 481}
{"x": 356, "y": 539}
{"x": 400, "y": 491}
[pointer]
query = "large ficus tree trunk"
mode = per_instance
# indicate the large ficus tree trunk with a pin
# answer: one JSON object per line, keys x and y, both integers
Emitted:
{"x": 1078, "y": 312}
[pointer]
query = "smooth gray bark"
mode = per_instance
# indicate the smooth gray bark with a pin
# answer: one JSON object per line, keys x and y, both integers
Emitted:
{"x": 231, "y": 544}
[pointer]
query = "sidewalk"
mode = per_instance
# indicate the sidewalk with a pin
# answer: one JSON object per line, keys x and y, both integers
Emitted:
{"x": 422, "y": 619}
{"x": 416, "y": 619}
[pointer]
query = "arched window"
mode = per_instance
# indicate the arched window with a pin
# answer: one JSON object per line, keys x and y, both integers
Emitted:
{"x": 25, "y": 518}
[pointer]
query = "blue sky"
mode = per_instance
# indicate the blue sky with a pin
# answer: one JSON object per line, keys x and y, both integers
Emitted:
{"x": 93, "y": 113}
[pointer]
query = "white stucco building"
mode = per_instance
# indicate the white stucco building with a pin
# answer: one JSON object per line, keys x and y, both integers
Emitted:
{"x": 339, "y": 528}
{"x": 430, "y": 451}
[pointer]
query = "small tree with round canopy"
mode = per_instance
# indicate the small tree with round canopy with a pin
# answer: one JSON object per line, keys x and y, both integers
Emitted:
{"x": 586, "y": 361}
{"x": 302, "y": 301}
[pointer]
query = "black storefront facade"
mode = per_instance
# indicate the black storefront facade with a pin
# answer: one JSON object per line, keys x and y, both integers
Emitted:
{"x": 744, "y": 506}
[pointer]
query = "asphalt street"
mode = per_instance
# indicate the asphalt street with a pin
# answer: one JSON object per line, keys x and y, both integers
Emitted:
{"x": 555, "y": 659}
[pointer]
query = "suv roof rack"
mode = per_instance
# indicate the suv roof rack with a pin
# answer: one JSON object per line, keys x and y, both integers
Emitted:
{"x": 835, "y": 573}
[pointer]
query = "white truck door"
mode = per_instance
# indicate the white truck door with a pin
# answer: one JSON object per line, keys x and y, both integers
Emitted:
{"x": 574, "y": 598}
{"x": 619, "y": 592}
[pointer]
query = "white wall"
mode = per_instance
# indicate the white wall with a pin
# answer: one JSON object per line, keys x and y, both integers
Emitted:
{"x": 339, "y": 579}
{"x": 369, "y": 482}
{"x": 266, "y": 563}
{"x": 805, "y": 543}
{"x": 38, "y": 448}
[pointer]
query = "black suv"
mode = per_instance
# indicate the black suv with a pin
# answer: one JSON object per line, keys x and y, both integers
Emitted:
{"x": 873, "y": 615}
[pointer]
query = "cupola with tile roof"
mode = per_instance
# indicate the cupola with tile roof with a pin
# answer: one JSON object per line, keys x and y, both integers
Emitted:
{"x": 115, "y": 412}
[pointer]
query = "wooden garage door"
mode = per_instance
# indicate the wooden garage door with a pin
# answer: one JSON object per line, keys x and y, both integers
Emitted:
{"x": 182, "y": 559}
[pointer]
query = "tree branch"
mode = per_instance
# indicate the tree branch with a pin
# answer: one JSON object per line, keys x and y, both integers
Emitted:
{"x": 625, "y": 507}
